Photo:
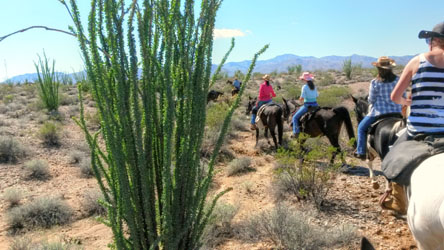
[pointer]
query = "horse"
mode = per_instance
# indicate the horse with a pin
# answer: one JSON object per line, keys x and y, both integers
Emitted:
{"x": 425, "y": 195}
{"x": 326, "y": 121}
{"x": 234, "y": 91}
{"x": 270, "y": 118}
{"x": 383, "y": 135}
{"x": 213, "y": 95}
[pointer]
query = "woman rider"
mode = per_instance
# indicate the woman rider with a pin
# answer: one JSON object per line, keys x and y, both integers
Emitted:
{"x": 266, "y": 92}
{"x": 309, "y": 94}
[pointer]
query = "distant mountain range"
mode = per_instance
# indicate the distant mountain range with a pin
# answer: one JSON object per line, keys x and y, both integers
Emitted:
{"x": 279, "y": 64}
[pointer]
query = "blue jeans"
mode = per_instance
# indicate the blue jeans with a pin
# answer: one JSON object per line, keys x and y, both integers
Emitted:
{"x": 363, "y": 127}
{"x": 301, "y": 111}
{"x": 255, "y": 109}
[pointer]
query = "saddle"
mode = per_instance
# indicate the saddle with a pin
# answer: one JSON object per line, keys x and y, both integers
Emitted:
{"x": 307, "y": 116}
{"x": 382, "y": 118}
{"x": 402, "y": 160}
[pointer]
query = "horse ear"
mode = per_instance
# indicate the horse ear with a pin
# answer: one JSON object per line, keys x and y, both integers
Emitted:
{"x": 249, "y": 97}
{"x": 285, "y": 101}
{"x": 366, "y": 245}
{"x": 354, "y": 98}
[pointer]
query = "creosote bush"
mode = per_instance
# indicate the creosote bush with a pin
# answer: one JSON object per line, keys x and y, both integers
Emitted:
{"x": 37, "y": 170}
{"x": 49, "y": 133}
{"x": 289, "y": 228}
{"x": 219, "y": 225}
{"x": 13, "y": 196}
{"x": 41, "y": 213}
{"x": 91, "y": 203}
{"x": 86, "y": 169}
{"x": 333, "y": 96}
{"x": 239, "y": 165}
{"x": 27, "y": 243}
{"x": 11, "y": 150}
{"x": 76, "y": 156}
{"x": 309, "y": 179}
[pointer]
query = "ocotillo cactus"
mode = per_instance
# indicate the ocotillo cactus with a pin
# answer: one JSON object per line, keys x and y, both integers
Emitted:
{"x": 150, "y": 80}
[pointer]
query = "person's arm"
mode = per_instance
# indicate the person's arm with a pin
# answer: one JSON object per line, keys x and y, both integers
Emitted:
{"x": 303, "y": 94}
{"x": 372, "y": 92}
{"x": 272, "y": 92}
{"x": 403, "y": 83}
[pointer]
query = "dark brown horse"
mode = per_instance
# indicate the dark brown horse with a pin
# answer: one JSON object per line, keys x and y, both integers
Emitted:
{"x": 270, "y": 118}
{"x": 326, "y": 121}
{"x": 213, "y": 95}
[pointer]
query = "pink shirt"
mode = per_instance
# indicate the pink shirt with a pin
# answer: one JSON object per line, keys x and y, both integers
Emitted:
{"x": 266, "y": 92}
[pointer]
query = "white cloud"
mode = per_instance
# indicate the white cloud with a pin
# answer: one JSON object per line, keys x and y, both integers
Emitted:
{"x": 227, "y": 33}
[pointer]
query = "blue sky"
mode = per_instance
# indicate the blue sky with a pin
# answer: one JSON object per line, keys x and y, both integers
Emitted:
{"x": 306, "y": 28}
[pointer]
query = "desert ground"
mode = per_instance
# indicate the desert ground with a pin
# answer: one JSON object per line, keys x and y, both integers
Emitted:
{"x": 350, "y": 203}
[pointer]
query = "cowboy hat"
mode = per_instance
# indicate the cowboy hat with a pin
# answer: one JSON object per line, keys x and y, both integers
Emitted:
{"x": 384, "y": 62}
{"x": 438, "y": 31}
{"x": 266, "y": 77}
{"x": 307, "y": 76}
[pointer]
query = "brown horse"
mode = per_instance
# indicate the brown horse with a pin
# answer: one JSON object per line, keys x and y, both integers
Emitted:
{"x": 213, "y": 95}
{"x": 270, "y": 118}
{"x": 325, "y": 121}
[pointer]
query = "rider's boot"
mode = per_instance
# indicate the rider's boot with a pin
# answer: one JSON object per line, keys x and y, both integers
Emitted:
{"x": 397, "y": 202}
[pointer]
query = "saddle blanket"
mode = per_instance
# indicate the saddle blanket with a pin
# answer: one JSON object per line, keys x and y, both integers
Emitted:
{"x": 402, "y": 160}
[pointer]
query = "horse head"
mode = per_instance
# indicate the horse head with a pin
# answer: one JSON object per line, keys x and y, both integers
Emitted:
{"x": 361, "y": 107}
{"x": 290, "y": 106}
{"x": 250, "y": 104}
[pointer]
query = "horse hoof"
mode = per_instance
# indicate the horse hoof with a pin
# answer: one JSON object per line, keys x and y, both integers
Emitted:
{"x": 375, "y": 185}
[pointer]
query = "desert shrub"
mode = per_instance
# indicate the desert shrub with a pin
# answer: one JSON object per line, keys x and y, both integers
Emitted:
{"x": 357, "y": 69}
{"x": 3, "y": 108}
{"x": 294, "y": 70}
{"x": 27, "y": 243}
{"x": 347, "y": 68}
{"x": 239, "y": 165}
{"x": 8, "y": 99}
{"x": 325, "y": 79}
{"x": 50, "y": 134}
{"x": 76, "y": 156}
{"x": 41, "y": 213}
{"x": 91, "y": 203}
{"x": 85, "y": 168}
{"x": 93, "y": 119}
{"x": 13, "y": 196}
{"x": 11, "y": 150}
{"x": 48, "y": 83}
{"x": 68, "y": 100}
{"x": 37, "y": 169}
{"x": 238, "y": 124}
{"x": 288, "y": 228}
{"x": 307, "y": 179}
{"x": 36, "y": 105}
{"x": 333, "y": 96}
{"x": 219, "y": 225}
{"x": 216, "y": 113}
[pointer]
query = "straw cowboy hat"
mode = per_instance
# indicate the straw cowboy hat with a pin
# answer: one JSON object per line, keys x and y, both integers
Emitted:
{"x": 266, "y": 77}
{"x": 384, "y": 62}
{"x": 306, "y": 76}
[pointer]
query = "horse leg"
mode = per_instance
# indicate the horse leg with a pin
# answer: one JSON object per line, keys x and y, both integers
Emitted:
{"x": 257, "y": 136}
{"x": 372, "y": 152}
{"x": 334, "y": 141}
{"x": 273, "y": 135}
{"x": 280, "y": 131}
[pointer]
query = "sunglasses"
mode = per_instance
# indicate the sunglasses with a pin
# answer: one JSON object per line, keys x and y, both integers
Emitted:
{"x": 428, "y": 40}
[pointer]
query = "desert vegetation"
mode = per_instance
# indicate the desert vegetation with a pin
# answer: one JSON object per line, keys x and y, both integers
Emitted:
{"x": 170, "y": 171}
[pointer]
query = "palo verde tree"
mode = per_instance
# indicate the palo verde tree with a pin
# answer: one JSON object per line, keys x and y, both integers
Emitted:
{"x": 149, "y": 65}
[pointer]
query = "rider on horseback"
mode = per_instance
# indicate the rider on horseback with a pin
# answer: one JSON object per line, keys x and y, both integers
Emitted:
{"x": 266, "y": 92}
{"x": 309, "y": 94}
{"x": 379, "y": 99}
{"x": 426, "y": 74}
{"x": 236, "y": 84}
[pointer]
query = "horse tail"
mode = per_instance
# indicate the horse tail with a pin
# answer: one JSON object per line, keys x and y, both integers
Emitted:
{"x": 343, "y": 113}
